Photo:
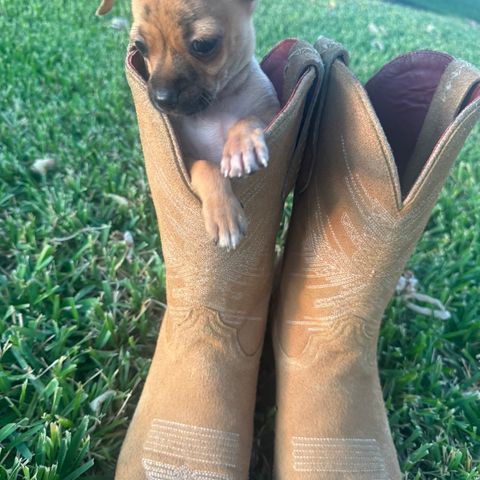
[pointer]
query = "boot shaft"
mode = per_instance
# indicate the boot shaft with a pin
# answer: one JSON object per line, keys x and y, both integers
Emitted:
{"x": 367, "y": 202}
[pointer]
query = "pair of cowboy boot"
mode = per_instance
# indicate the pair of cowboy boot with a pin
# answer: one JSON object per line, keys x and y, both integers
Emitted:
{"x": 374, "y": 161}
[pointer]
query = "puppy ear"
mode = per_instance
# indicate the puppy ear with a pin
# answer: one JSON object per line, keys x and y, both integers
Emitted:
{"x": 104, "y": 7}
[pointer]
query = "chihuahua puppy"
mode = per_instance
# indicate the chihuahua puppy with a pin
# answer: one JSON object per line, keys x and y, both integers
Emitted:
{"x": 204, "y": 76}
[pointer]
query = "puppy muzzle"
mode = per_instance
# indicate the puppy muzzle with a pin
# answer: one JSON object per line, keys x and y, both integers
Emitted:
{"x": 164, "y": 99}
{"x": 187, "y": 101}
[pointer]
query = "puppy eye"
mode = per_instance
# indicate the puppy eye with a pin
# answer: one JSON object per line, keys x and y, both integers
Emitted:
{"x": 204, "y": 48}
{"x": 141, "y": 47}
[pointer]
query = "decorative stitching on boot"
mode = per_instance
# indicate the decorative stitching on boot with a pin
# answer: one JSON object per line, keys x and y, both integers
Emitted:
{"x": 191, "y": 268}
{"x": 342, "y": 263}
{"x": 230, "y": 317}
{"x": 197, "y": 445}
{"x": 163, "y": 471}
{"x": 183, "y": 327}
{"x": 360, "y": 456}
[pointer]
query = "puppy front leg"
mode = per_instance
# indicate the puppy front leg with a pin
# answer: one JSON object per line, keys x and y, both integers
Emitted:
{"x": 245, "y": 150}
{"x": 223, "y": 215}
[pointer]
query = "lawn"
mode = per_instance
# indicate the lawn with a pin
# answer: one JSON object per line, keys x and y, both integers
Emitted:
{"x": 460, "y": 8}
{"x": 81, "y": 273}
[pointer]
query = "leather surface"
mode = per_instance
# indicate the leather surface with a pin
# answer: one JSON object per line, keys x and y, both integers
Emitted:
{"x": 195, "y": 415}
{"x": 351, "y": 232}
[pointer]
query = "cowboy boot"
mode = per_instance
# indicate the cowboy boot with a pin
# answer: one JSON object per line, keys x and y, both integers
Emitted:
{"x": 383, "y": 154}
{"x": 194, "y": 419}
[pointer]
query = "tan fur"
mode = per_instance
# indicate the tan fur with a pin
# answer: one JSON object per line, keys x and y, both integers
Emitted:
{"x": 224, "y": 101}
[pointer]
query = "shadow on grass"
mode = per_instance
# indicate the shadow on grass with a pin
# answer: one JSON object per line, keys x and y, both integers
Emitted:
{"x": 459, "y": 8}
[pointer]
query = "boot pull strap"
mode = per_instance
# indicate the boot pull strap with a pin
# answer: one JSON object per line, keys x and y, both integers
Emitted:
{"x": 302, "y": 59}
{"x": 454, "y": 92}
{"x": 329, "y": 51}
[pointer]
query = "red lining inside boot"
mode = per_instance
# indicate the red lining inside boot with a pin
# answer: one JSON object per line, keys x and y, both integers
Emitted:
{"x": 273, "y": 64}
{"x": 401, "y": 94}
{"x": 136, "y": 61}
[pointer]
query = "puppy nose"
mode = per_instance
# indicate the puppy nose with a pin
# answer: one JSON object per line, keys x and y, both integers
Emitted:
{"x": 165, "y": 98}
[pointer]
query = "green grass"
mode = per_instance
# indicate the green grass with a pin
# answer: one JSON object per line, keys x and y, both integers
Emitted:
{"x": 459, "y": 8}
{"x": 80, "y": 308}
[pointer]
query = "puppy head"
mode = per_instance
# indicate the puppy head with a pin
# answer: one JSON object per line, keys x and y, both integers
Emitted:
{"x": 192, "y": 49}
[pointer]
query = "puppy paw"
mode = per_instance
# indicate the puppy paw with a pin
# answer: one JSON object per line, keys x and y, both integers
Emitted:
{"x": 225, "y": 222}
{"x": 245, "y": 150}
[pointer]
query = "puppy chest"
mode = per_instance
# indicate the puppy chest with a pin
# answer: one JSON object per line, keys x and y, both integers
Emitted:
{"x": 203, "y": 138}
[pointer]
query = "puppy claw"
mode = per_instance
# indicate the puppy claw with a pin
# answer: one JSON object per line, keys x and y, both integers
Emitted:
{"x": 235, "y": 239}
{"x": 230, "y": 241}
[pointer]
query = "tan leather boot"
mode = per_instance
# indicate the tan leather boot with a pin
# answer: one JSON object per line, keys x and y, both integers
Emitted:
{"x": 195, "y": 416}
{"x": 382, "y": 157}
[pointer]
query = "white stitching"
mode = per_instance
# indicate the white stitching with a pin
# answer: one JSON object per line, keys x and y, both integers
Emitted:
{"x": 341, "y": 455}
{"x": 170, "y": 472}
